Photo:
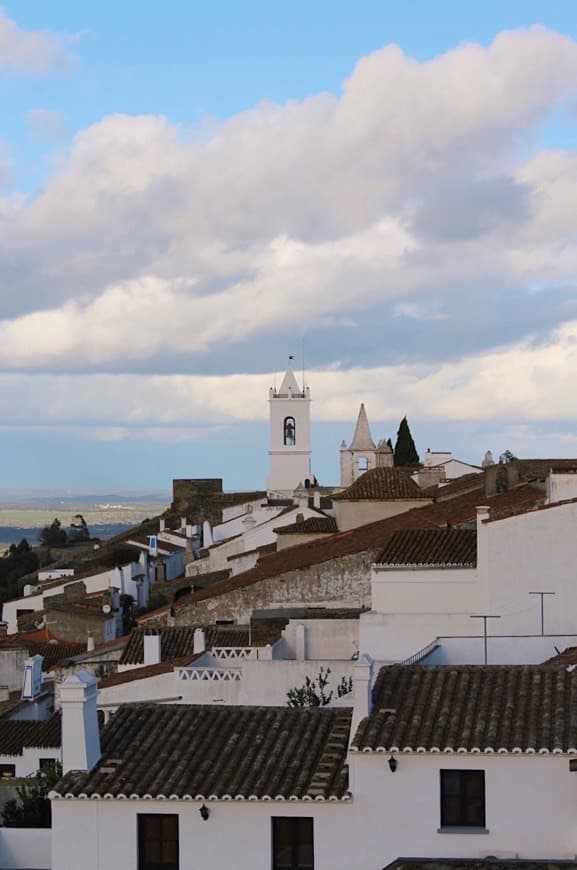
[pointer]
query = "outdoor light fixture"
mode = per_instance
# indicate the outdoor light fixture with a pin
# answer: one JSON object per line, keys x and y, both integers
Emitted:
{"x": 204, "y": 812}
{"x": 392, "y": 763}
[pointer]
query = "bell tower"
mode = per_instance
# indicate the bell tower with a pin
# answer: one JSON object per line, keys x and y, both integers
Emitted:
{"x": 289, "y": 446}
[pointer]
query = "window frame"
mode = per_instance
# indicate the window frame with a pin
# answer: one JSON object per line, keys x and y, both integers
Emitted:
{"x": 295, "y": 843}
{"x": 143, "y": 862}
{"x": 469, "y": 781}
{"x": 7, "y": 771}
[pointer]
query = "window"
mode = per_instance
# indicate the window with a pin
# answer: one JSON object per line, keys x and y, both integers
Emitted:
{"x": 7, "y": 771}
{"x": 157, "y": 842}
{"x": 462, "y": 799}
{"x": 47, "y": 763}
{"x": 292, "y": 844}
{"x": 289, "y": 432}
{"x": 363, "y": 463}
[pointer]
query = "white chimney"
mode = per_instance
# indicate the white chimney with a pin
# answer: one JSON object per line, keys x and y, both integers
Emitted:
{"x": 32, "y": 678}
{"x": 301, "y": 642}
{"x": 162, "y": 525}
{"x": 317, "y": 499}
{"x": 483, "y": 515}
{"x": 199, "y": 641}
{"x": 90, "y": 642}
{"x": 189, "y": 530}
{"x": 183, "y": 522}
{"x": 152, "y": 649}
{"x": 362, "y": 697}
{"x": 80, "y": 736}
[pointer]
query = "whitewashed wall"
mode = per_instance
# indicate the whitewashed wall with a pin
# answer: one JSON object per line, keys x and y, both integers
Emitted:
{"x": 101, "y": 835}
{"x": 25, "y": 848}
{"x": 530, "y": 812}
{"x": 530, "y": 807}
{"x": 535, "y": 551}
{"x": 28, "y": 763}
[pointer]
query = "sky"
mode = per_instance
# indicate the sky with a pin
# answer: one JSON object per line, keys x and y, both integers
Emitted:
{"x": 190, "y": 192}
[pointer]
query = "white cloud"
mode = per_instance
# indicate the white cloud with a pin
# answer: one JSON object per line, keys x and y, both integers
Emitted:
{"x": 29, "y": 51}
{"x": 523, "y": 382}
{"x": 418, "y": 187}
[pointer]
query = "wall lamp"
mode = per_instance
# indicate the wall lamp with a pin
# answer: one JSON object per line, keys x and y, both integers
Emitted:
{"x": 392, "y": 763}
{"x": 204, "y": 812}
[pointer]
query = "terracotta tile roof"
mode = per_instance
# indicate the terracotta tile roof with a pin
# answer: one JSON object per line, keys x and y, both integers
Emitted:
{"x": 472, "y": 708}
{"x": 178, "y": 641}
{"x": 205, "y": 752}
{"x": 373, "y": 536}
{"x": 381, "y": 484}
{"x": 16, "y": 734}
{"x": 312, "y": 525}
{"x": 447, "y": 547}
{"x": 462, "y": 484}
{"x": 538, "y": 469}
{"x": 52, "y": 651}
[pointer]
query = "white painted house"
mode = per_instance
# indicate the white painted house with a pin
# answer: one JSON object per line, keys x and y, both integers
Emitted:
{"x": 460, "y": 762}
{"x": 430, "y": 583}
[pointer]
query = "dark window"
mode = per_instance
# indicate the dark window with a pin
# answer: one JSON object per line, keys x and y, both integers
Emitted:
{"x": 462, "y": 798}
{"x": 289, "y": 432}
{"x": 47, "y": 763}
{"x": 292, "y": 844}
{"x": 7, "y": 771}
{"x": 157, "y": 842}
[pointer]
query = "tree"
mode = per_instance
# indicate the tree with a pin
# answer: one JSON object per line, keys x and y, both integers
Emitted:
{"x": 78, "y": 530}
{"x": 313, "y": 693}
{"x": 53, "y": 535}
{"x": 31, "y": 809}
{"x": 406, "y": 455}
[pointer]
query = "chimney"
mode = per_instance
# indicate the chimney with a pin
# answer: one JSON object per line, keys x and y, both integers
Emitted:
{"x": 199, "y": 641}
{"x": 32, "y": 678}
{"x": 90, "y": 642}
{"x": 189, "y": 530}
{"x": 301, "y": 642}
{"x": 152, "y": 649}
{"x": 300, "y": 518}
{"x": 183, "y": 522}
{"x": 80, "y": 736}
{"x": 483, "y": 514}
{"x": 362, "y": 697}
{"x": 162, "y": 527}
{"x": 317, "y": 500}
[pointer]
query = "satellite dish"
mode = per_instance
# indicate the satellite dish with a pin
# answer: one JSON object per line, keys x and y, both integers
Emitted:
{"x": 106, "y": 608}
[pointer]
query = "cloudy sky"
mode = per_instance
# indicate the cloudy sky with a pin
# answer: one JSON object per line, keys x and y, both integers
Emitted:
{"x": 189, "y": 194}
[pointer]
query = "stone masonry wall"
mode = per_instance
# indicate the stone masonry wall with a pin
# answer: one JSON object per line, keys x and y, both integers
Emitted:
{"x": 345, "y": 582}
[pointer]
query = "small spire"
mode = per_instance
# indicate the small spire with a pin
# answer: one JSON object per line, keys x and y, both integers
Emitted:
{"x": 362, "y": 439}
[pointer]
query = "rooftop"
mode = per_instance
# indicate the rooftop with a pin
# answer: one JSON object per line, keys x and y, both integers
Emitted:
{"x": 214, "y": 752}
{"x": 16, "y": 734}
{"x": 424, "y": 547}
{"x": 178, "y": 641}
{"x": 311, "y": 526}
{"x": 471, "y": 708}
{"x": 382, "y": 484}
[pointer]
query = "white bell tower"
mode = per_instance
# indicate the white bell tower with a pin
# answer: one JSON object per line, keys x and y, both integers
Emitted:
{"x": 290, "y": 443}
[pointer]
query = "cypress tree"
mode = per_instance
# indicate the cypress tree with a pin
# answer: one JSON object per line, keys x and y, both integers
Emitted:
{"x": 405, "y": 451}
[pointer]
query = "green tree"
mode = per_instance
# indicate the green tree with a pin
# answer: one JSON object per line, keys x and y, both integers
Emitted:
{"x": 53, "y": 535}
{"x": 406, "y": 455}
{"x": 31, "y": 809}
{"x": 313, "y": 693}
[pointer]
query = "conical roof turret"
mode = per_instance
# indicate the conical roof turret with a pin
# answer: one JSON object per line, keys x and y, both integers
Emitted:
{"x": 362, "y": 439}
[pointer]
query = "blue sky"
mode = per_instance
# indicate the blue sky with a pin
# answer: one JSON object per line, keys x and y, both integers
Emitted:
{"x": 190, "y": 189}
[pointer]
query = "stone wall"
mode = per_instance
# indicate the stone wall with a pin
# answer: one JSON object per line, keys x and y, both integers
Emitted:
{"x": 343, "y": 582}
